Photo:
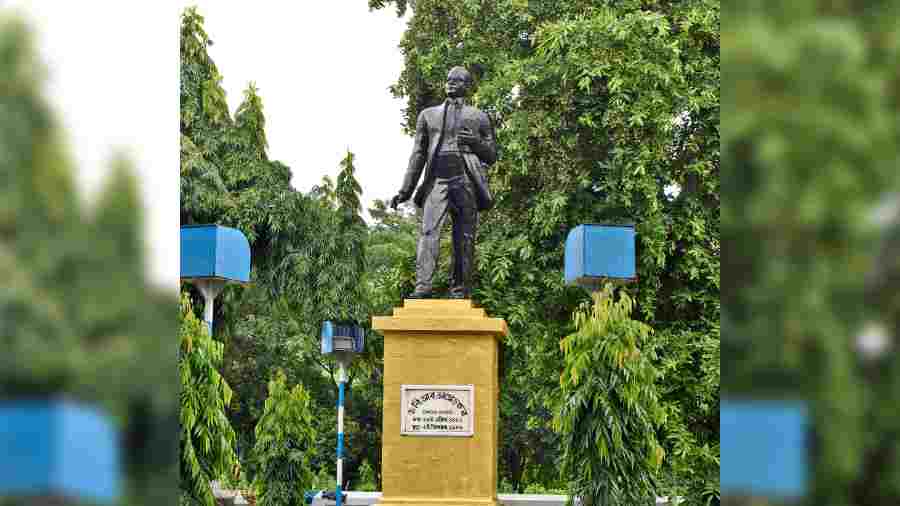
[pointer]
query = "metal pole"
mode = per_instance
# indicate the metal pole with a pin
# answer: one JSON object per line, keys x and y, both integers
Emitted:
{"x": 342, "y": 379}
{"x": 208, "y": 307}
{"x": 210, "y": 288}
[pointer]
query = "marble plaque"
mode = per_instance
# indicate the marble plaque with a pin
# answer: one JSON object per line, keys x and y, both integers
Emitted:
{"x": 437, "y": 410}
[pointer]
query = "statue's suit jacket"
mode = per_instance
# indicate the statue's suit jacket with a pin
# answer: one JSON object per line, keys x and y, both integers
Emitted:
{"x": 429, "y": 125}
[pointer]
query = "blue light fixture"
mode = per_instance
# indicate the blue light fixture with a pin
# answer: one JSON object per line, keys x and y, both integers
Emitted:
{"x": 596, "y": 253}
{"x": 211, "y": 257}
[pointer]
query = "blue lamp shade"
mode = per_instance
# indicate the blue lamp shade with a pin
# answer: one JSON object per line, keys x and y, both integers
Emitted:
{"x": 57, "y": 447}
{"x": 213, "y": 251}
{"x": 763, "y": 448}
{"x": 598, "y": 252}
{"x": 352, "y": 336}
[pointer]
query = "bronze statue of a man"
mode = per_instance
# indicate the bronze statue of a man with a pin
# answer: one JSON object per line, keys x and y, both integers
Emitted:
{"x": 454, "y": 143}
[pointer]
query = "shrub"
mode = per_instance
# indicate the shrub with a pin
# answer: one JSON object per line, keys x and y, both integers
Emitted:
{"x": 285, "y": 444}
{"x": 610, "y": 408}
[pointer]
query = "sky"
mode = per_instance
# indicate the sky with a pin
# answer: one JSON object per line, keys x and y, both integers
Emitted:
{"x": 322, "y": 70}
{"x": 323, "y": 74}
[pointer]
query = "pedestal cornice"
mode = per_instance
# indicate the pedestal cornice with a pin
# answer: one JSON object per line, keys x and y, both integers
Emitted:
{"x": 439, "y": 315}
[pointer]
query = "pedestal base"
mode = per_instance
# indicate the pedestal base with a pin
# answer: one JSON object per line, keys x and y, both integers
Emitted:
{"x": 440, "y": 342}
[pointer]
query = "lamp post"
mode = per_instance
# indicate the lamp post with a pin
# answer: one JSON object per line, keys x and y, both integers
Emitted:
{"x": 211, "y": 257}
{"x": 342, "y": 341}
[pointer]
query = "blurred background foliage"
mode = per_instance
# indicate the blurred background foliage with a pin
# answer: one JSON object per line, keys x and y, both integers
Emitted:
{"x": 810, "y": 224}
{"x": 78, "y": 316}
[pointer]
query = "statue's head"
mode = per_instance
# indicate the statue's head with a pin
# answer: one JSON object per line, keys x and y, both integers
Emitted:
{"x": 459, "y": 82}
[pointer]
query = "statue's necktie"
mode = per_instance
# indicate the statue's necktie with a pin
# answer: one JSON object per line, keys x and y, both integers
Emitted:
{"x": 453, "y": 108}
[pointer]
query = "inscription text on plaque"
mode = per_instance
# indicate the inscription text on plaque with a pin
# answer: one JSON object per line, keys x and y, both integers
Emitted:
{"x": 437, "y": 410}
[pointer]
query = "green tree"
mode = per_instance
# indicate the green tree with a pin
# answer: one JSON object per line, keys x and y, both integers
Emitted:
{"x": 324, "y": 192}
{"x": 285, "y": 441}
{"x": 308, "y": 261}
{"x": 390, "y": 255}
{"x": 348, "y": 192}
{"x": 610, "y": 408}
{"x": 226, "y": 178}
{"x": 350, "y": 243}
{"x": 204, "y": 119}
{"x": 207, "y": 438}
{"x": 605, "y": 112}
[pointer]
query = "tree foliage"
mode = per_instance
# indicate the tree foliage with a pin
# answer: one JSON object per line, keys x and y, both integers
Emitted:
{"x": 207, "y": 438}
{"x": 308, "y": 256}
{"x": 390, "y": 255}
{"x": 610, "y": 405}
{"x": 284, "y": 445}
{"x": 366, "y": 481}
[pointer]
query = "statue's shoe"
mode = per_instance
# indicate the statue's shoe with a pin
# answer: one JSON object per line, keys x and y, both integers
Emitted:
{"x": 419, "y": 295}
{"x": 458, "y": 295}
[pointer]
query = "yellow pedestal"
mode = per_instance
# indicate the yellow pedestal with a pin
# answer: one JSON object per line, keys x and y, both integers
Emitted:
{"x": 440, "y": 342}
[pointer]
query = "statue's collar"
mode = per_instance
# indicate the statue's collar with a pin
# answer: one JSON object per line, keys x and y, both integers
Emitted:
{"x": 459, "y": 101}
